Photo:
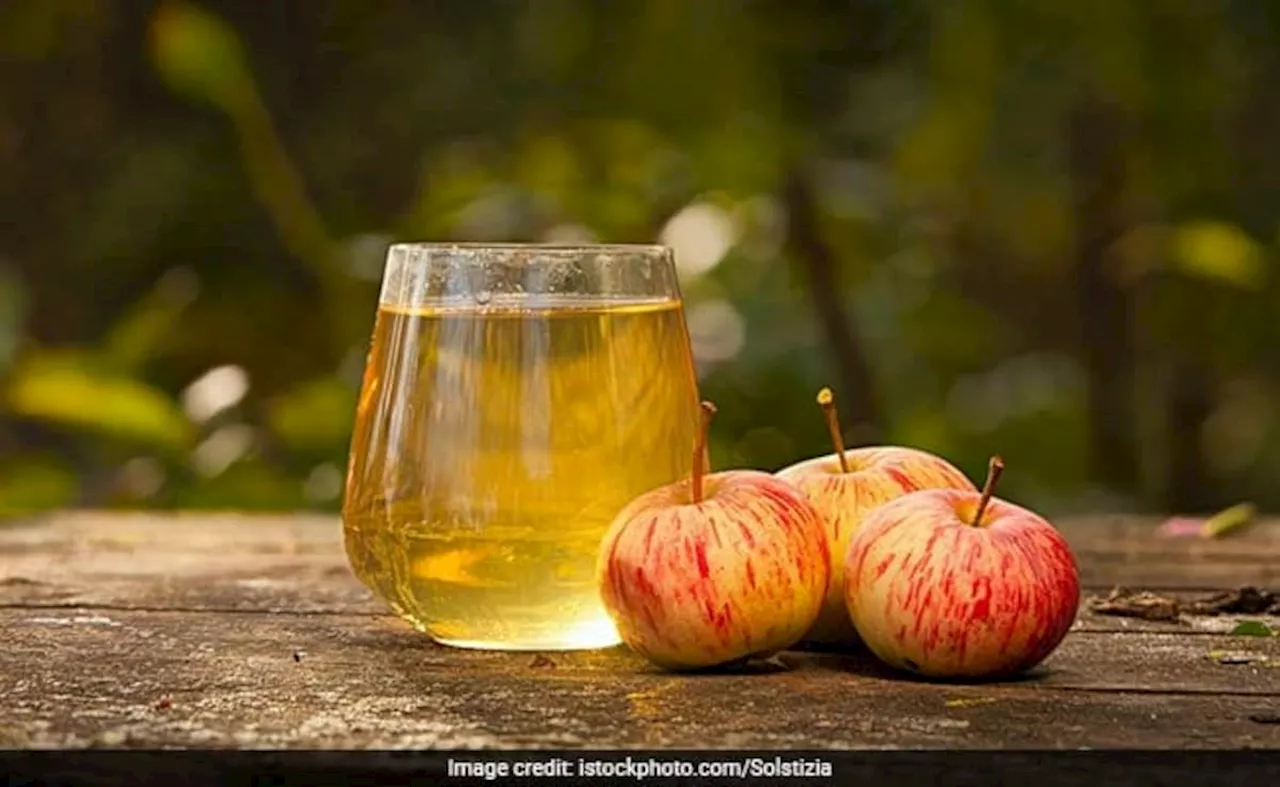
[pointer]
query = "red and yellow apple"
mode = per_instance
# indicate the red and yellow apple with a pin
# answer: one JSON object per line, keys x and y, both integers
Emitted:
{"x": 955, "y": 584}
{"x": 720, "y": 568}
{"x": 845, "y": 487}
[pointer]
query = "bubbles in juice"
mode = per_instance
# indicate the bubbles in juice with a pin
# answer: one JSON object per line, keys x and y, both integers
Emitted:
{"x": 493, "y": 446}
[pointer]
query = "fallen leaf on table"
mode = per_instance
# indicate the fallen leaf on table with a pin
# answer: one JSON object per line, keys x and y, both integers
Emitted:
{"x": 1216, "y": 526}
{"x": 1181, "y": 527}
{"x": 1236, "y": 657}
{"x": 1137, "y": 604}
{"x": 1245, "y": 601}
{"x": 1225, "y": 521}
{"x": 1253, "y": 628}
{"x": 1154, "y": 606}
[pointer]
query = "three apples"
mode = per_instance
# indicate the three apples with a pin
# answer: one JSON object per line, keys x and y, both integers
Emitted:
{"x": 890, "y": 547}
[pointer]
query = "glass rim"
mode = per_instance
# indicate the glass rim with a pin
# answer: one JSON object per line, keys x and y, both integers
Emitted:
{"x": 646, "y": 249}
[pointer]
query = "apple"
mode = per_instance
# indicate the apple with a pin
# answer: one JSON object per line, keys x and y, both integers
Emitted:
{"x": 953, "y": 584}
{"x": 715, "y": 569}
{"x": 848, "y": 485}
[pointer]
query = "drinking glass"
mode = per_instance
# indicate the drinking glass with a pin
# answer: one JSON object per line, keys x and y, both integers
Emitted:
{"x": 515, "y": 398}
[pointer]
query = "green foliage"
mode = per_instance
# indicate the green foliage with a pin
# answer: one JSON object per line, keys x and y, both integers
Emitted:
{"x": 34, "y": 484}
{"x": 251, "y": 484}
{"x": 315, "y": 417}
{"x": 199, "y": 54}
{"x": 985, "y": 175}
{"x": 140, "y": 332}
{"x": 1253, "y": 628}
{"x": 1219, "y": 252}
{"x": 73, "y": 390}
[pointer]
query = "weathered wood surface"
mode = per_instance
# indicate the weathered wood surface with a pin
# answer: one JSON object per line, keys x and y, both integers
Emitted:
{"x": 250, "y": 632}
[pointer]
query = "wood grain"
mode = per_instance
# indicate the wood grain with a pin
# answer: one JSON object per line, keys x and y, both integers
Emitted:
{"x": 233, "y": 631}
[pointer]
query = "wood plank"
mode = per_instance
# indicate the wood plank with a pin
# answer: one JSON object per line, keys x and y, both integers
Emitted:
{"x": 337, "y": 592}
{"x": 1104, "y": 571}
{"x": 1127, "y": 532}
{"x": 80, "y": 552}
{"x": 180, "y": 561}
{"x": 283, "y": 586}
{"x": 296, "y": 563}
{"x": 193, "y": 532}
{"x": 78, "y": 677}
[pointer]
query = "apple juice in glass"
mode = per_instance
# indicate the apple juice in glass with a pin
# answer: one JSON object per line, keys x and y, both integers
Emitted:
{"x": 515, "y": 398}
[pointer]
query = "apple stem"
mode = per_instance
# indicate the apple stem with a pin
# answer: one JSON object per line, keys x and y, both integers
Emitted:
{"x": 700, "y": 460}
{"x": 827, "y": 401}
{"x": 994, "y": 468}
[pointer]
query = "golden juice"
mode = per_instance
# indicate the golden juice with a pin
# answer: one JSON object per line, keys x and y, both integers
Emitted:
{"x": 493, "y": 446}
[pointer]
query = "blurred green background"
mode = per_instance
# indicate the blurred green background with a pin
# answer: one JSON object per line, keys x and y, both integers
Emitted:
{"x": 1046, "y": 229}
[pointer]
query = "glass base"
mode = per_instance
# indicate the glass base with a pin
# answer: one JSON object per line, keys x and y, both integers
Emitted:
{"x": 532, "y": 646}
{"x": 592, "y": 634}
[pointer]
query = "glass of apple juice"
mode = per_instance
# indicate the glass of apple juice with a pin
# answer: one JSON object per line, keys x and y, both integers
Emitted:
{"x": 515, "y": 398}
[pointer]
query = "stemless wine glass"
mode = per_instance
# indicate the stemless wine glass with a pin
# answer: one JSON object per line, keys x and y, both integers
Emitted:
{"x": 515, "y": 398}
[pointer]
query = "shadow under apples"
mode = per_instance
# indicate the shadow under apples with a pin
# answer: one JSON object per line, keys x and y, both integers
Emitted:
{"x": 864, "y": 664}
{"x": 849, "y": 660}
{"x": 755, "y": 666}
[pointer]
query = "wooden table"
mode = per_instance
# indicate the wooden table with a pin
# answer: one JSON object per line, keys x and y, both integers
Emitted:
{"x": 249, "y": 632}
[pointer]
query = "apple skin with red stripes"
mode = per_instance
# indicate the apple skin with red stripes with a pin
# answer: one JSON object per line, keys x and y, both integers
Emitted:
{"x": 933, "y": 593}
{"x": 877, "y": 474}
{"x": 740, "y": 574}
